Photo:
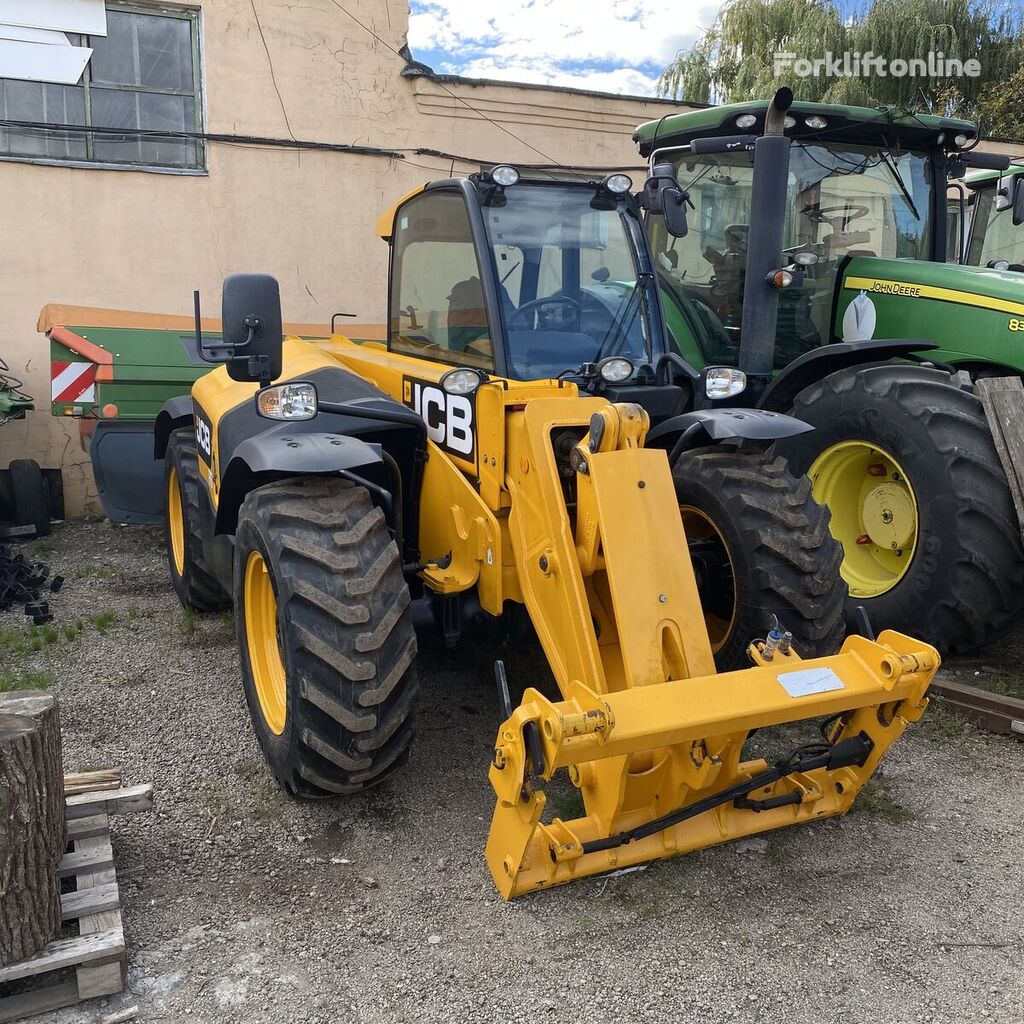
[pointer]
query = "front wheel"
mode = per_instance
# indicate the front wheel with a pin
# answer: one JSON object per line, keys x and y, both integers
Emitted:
{"x": 325, "y": 635}
{"x": 905, "y": 461}
{"x": 761, "y": 549}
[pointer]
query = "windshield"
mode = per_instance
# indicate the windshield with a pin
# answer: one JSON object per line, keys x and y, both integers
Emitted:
{"x": 569, "y": 286}
{"x": 993, "y": 236}
{"x": 842, "y": 200}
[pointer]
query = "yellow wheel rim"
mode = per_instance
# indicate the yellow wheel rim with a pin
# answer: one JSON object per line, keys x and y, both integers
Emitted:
{"x": 874, "y": 513}
{"x": 176, "y": 522}
{"x": 261, "y": 638}
{"x": 713, "y": 566}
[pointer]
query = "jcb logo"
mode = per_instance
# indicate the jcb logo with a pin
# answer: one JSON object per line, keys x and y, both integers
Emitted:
{"x": 204, "y": 436}
{"x": 449, "y": 418}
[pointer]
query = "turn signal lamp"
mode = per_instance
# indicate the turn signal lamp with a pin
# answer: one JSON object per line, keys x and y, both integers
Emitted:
{"x": 295, "y": 401}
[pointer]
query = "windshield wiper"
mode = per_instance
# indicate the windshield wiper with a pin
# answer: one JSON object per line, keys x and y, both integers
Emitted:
{"x": 621, "y": 324}
{"x": 894, "y": 171}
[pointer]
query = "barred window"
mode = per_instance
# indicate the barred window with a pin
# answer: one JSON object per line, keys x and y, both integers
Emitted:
{"x": 144, "y": 77}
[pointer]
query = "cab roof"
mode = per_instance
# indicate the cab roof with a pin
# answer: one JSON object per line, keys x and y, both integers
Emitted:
{"x": 978, "y": 179}
{"x": 849, "y": 123}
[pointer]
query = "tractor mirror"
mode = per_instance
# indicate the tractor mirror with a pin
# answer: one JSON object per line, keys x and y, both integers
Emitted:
{"x": 1018, "y": 200}
{"x": 663, "y": 194}
{"x": 251, "y": 322}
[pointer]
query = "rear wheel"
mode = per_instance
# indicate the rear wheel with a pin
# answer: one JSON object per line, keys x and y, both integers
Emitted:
{"x": 904, "y": 458}
{"x": 325, "y": 635}
{"x": 191, "y": 575}
{"x": 761, "y": 549}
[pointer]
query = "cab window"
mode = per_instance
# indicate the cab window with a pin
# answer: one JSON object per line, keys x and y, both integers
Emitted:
{"x": 437, "y": 299}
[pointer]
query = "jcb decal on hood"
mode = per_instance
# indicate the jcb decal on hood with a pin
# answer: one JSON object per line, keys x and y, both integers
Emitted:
{"x": 204, "y": 435}
{"x": 450, "y": 419}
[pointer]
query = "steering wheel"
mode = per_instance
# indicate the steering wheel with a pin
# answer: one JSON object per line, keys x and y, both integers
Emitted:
{"x": 536, "y": 308}
{"x": 840, "y": 215}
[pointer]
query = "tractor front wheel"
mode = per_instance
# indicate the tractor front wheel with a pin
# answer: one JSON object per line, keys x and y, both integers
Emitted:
{"x": 325, "y": 635}
{"x": 904, "y": 459}
{"x": 761, "y": 549}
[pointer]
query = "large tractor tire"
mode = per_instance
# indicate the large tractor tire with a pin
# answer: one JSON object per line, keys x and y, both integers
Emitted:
{"x": 191, "y": 576}
{"x": 904, "y": 458}
{"x": 761, "y": 549}
{"x": 325, "y": 635}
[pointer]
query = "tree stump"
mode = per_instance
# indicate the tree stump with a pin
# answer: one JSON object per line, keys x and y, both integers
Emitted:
{"x": 33, "y": 832}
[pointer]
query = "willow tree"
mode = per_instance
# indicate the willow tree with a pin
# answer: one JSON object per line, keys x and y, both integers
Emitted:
{"x": 735, "y": 59}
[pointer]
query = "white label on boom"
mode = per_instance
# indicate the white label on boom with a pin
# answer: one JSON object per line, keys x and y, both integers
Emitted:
{"x": 810, "y": 680}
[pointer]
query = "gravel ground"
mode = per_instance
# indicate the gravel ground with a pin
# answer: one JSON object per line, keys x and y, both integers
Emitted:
{"x": 241, "y": 904}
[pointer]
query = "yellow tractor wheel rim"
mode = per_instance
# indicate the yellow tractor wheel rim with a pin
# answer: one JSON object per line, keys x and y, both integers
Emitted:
{"x": 874, "y": 513}
{"x": 718, "y": 596}
{"x": 176, "y": 522}
{"x": 261, "y": 638}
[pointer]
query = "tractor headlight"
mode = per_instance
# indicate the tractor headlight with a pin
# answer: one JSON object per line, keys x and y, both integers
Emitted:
{"x": 504, "y": 175}
{"x": 961, "y": 140}
{"x": 619, "y": 184}
{"x": 287, "y": 401}
{"x": 724, "y": 381}
{"x": 816, "y": 121}
{"x": 746, "y": 121}
{"x": 462, "y": 381}
{"x": 615, "y": 369}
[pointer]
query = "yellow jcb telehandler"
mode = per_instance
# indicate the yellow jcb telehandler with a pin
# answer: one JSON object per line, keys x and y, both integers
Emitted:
{"x": 498, "y": 452}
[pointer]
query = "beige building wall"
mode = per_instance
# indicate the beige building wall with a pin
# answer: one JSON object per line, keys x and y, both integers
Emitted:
{"x": 144, "y": 241}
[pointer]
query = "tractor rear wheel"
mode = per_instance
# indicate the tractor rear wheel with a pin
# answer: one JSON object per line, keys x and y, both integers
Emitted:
{"x": 325, "y": 635}
{"x": 761, "y": 548}
{"x": 904, "y": 458}
{"x": 191, "y": 576}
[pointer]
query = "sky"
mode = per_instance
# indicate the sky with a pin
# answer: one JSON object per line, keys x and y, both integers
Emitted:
{"x": 609, "y": 45}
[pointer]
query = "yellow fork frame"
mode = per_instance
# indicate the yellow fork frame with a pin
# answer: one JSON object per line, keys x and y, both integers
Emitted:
{"x": 645, "y": 726}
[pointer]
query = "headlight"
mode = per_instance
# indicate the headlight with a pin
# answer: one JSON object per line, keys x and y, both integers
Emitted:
{"x": 816, "y": 121}
{"x": 790, "y": 121}
{"x": 746, "y": 120}
{"x": 503, "y": 174}
{"x": 287, "y": 401}
{"x": 462, "y": 381}
{"x": 961, "y": 140}
{"x": 618, "y": 183}
{"x": 615, "y": 369}
{"x": 724, "y": 381}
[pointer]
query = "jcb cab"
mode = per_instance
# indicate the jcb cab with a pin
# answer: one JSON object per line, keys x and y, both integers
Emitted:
{"x": 499, "y": 451}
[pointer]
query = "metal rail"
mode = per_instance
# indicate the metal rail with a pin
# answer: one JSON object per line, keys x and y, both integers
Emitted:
{"x": 995, "y": 712}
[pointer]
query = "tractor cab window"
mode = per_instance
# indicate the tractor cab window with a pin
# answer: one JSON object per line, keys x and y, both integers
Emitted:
{"x": 842, "y": 200}
{"x": 437, "y": 308}
{"x": 568, "y": 282}
{"x": 993, "y": 234}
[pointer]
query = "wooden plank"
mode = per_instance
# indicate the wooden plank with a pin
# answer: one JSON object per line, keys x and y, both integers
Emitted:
{"x": 84, "y": 828}
{"x": 1003, "y": 401}
{"x": 92, "y": 900}
{"x": 87, "y": 860}
{"x": 42, "y": 1000}
{"x": 106, "y": 979}
{"x": 62, "y": 953}
{"x": 129, "y": 800}
{"x": 91, "y": 782}
{"x": 993, "y": 711}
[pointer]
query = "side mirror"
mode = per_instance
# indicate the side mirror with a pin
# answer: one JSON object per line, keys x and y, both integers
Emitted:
{"x": 251, "y": 322}
{"x": 1018, "y": 200}
{"x": 662, "y": 194}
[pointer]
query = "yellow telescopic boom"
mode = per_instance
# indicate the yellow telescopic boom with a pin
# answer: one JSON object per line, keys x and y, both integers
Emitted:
{"x": 651, "y": 736}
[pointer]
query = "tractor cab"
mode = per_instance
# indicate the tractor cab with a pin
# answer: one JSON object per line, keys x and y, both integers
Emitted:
{"x": 527, "y": 280}
{"x": 995, "y": 235}
{"x": 860, "y": 182}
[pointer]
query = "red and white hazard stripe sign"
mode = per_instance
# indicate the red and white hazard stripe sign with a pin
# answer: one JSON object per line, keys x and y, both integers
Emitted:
{"x": 72, "y": 382}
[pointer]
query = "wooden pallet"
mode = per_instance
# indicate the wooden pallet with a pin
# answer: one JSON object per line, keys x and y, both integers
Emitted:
{"x": 94, "y": 961}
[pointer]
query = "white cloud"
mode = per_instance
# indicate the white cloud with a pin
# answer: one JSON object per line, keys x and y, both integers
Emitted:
{"x": 611, "y": 45}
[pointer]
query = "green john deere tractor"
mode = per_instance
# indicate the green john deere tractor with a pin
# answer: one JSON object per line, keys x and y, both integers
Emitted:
{"x": 801, "y": 247}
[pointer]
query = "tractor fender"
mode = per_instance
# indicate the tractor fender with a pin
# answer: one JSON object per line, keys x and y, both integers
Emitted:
{"x": 176, "y": 412}
{"x": 820, "y": 362}
{"x": 270, "y": 456}
{"x": 726, "y": 425}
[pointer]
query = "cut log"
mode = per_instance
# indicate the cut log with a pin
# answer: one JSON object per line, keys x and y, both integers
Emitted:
{"x": 32, "y": 823}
